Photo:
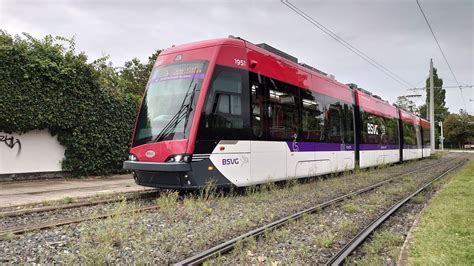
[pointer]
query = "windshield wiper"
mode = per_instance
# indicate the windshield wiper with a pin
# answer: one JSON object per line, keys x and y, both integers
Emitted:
{"x": 180, "y": 114}
{"x": 190, "y": 108}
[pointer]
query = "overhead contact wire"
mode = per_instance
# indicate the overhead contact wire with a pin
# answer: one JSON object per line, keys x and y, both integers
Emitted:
{"x": 347, "y": 45}
{"x": 441, "y": 50}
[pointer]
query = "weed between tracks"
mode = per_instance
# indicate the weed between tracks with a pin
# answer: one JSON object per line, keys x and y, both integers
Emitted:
{"x": 383, "y": 244}
{"x": 68, "y": 200}
{"x": 102, "y": 240}
{"x": 7, "y": 236}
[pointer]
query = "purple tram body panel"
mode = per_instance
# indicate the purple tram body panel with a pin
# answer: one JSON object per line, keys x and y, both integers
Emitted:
{"x": 317, "y": 146}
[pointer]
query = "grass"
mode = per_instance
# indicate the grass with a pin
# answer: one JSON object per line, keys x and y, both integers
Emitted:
{"x": 68, "y": 200}
{"x": 324, "y": 240}
{"x": 418, "y": 199}
{"x": 438, "y": 154}
{"x": 346, "y": 226}
{"x": 101, "y": 240}
{"x": 384, "y": 244}
{"x": 445, "y": 233}
{"x": 7, "y": 236}
{"x": 376, "y": 199}
{"x": 351, "y": 207}
{"x": 168, "y": 200}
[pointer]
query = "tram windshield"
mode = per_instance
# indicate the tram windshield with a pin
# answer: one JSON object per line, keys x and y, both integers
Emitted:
{"x": 169, "y": 101}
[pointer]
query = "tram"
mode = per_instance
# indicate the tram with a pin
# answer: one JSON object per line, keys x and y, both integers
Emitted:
{"x": 237, "y": 114}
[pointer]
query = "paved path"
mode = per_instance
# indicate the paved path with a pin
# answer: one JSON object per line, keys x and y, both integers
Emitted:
{"x": 466, "y": 151}
{"x": 37, "y": 191}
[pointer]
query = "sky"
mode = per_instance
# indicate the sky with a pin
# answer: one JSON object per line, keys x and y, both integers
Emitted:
{"x": 392, "y": 32}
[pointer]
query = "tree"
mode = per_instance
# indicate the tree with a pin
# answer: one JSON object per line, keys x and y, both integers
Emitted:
{"x": 440, "y": 109}
{"x": 130, "y": 79}
{"x": 407, "y": 104}
{"x": 108, "y": 76}
{"x": 134, "y": 75}
{"x": 459, "y": 129}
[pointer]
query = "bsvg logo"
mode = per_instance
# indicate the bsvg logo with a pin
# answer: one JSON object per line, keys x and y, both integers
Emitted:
{"x": 230, "y": 161}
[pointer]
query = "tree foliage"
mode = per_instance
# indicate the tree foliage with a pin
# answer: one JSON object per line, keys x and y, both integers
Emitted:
{"x": 407, "y": 104}
{"x": 459, "y": 129}
{"x": 130, "y": 79}
{"x": 45, "y": 84}
{"x": 440, "y": 109}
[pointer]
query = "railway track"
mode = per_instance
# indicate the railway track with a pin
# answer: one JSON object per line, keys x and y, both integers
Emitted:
{"x": 355, "y": 242}
{"x": 74, "y": 220}
{"x": 25, "y": 229}
{"x": 83, "y": 203}
{"x": 259, "y": 232}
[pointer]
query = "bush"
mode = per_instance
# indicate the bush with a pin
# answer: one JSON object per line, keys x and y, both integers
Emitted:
{"x": 45, "y": 85}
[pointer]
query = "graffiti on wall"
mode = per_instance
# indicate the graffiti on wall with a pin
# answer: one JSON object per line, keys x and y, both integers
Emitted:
{"x": 11, "y": 142}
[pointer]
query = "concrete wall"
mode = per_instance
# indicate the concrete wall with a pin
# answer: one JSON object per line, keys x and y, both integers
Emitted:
{"x": 31, "y": 152}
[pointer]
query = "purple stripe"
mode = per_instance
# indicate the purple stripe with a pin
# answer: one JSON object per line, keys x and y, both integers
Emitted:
{"x": 184, "y": 76}
{"x": 369, "y": 147}
{"x": 318, "y": 146}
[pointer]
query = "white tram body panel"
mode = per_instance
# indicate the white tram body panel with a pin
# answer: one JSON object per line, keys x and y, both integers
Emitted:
{"x": 426, "y": 152}
{"x": 412, "y": 154}
{"x": 369, "y": 158}
{"x": 247, "y": 163}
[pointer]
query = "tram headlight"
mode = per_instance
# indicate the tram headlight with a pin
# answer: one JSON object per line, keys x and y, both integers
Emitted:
{"x": 132, "y": 157}
{"x": 179, "y": 158}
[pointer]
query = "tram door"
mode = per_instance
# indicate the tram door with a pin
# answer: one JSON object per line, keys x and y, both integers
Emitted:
{"x": 268, "y": 154}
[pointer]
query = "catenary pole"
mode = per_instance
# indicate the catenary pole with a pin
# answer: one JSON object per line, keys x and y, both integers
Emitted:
{"x": 428, "y": 108}
{"x": 432, "y": 117}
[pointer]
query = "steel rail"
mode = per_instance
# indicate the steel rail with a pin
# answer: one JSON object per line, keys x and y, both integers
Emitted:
{"x": 230, "y": 244}
{"x": 345, "y": 251}
{"x": 24, "y": 229}
{"x": 83, "y": 203}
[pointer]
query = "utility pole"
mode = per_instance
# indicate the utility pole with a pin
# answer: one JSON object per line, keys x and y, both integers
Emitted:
{"x": 428, "y": 109}
{"x": 432, "y": 117}
{"x": 441, "y": 137}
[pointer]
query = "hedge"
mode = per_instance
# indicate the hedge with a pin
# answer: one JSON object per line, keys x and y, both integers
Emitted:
{"x": 46, "y": 85}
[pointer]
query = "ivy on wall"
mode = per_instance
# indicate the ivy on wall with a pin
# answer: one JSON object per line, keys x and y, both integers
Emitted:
{"x": 44, "y": 84}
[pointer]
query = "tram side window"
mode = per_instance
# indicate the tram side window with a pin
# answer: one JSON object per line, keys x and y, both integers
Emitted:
{"x": 335, "y": 121}
{"x": 426, "y": 137}
{"x": 226, "y": 113}
{"x": 369, "y": 119}
{"x": 257, "y": 105}
{"x": 418, "y": 136}
{"x": 391, "y": 131}
{"x": 312, "y": 116}
{"x": 409, "y": 134}
{"x": 348, "y": 123}
{"x": 282, "y": 104}
{"x": 383, "y": 130}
